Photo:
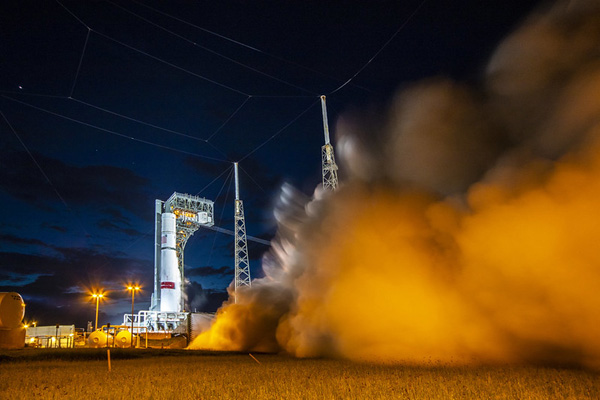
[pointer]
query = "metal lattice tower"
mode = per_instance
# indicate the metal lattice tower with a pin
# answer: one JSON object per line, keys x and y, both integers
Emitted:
{"x": 329, "y": 167}
{"x": 242, "y": 265}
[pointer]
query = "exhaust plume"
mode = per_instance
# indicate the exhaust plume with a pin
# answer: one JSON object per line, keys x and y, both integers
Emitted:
{"x": 465, "y": 233}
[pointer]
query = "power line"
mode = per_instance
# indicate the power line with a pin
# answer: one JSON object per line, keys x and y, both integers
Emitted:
{"x": 212, "y": 51}
{"x": 234, "y": 41}
{"x": 279, "y": 131}
{"x": 150, "y": 55}
{"x": 87, "y": 36}
{"x": 213, "y": 181}
{"x": 228, "y": 119}
{"x": 406, "y": 21}
{"x": 113, "y": 132}
{"x": 36, "y": 163}
{"x": 231, "y": 233}
{"x": 136, "y": 120}
{"x": 74, "y": 16}
{"x": 228, "y": 180}
{"x": 131, "y": 118}
{"x": 251, "y": 178}
{"x": 52, "y": 96}
{"x": 171, "y": 64}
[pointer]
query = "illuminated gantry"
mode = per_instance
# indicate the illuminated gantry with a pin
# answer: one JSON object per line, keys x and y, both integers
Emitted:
{"x": 329, "y": 167}
{"x": 176, "y": 220}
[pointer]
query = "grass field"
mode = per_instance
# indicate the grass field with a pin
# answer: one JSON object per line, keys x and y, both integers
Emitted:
{"x": 169, "y": 374}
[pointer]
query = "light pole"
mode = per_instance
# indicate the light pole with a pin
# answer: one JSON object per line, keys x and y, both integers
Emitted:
{"x": 97, "y": 296}
{"x": 132, "y": 289}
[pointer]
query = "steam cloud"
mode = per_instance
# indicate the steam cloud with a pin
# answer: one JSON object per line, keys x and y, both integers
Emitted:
{"x": 466, "y": 229}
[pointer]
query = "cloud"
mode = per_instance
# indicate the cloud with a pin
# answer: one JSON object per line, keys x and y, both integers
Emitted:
{"x": 208, "y": 271}
{"x": 20, "y": 241}
{"x": 79, "y": 186}
{"x": 111, "y": 226}
{"x": 60, "y": 229}
{"x": 55, "y": 276}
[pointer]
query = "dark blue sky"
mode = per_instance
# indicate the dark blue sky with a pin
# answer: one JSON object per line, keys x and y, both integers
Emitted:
{"x": 110, "y": 105}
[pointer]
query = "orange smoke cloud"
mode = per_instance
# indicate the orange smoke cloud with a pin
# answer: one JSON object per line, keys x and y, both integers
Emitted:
{"x": 475, "y": 242}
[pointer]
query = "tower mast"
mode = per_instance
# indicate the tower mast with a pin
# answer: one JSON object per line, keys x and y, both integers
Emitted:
{"x": 242, "y": 265}
{"x": 329, "y": 167}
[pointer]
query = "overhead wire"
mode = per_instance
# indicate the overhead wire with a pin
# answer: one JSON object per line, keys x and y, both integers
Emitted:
{"x": 406, "y": 21}
{"x": 228, "y": 119}
{"x": 145, "y": 234}
{"x": 87, "y": 36}
{"x": 227, "y": 180}
{"x": 128, "y": 117}
{"x": 52, "y": 96}
{"x": 46, "y": 177}
{"x": 152, "y": 56}
{"x": 171, "y": 64}
{"x": 175, "y": 66}
{"x": 212, "y": 51}
{"x": 240, "y": 43}
{"x": 279, "y": 131}
{"x": 232, "y": 233}
{"x": 252, "y": 179}
{"x": 213, "y": 181}
{"x": 37, "y": 164}
{"x": 113, "y": 132}
{"x": 136, "y": 120}
{"x": 193, "y": 74}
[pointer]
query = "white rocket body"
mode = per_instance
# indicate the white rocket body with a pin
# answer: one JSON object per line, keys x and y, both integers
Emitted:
{"x": 170, "y": 276}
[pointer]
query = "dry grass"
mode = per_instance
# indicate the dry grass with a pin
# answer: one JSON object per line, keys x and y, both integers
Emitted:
{"x": 194, "y": 375}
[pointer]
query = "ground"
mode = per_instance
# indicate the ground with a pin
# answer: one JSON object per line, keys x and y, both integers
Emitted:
{"x": 164, "y": 374}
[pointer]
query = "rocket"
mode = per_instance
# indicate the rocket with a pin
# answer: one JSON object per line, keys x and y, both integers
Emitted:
{"x": 170, "y": 277}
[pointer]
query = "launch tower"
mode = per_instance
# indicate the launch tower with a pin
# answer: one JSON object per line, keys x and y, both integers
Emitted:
{"x": 329, "y": 167}
{"x": 242, "y": 265}
{"x": 175, "y": 222}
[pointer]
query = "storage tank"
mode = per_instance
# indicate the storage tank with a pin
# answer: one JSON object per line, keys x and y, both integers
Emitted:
{"x": 99, "y": 338}
{"x": 123, "y": 339}
{"x": 12, "y": 310}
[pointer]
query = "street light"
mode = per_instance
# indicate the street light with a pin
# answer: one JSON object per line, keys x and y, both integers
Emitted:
{"x": 132, "y": 289}
{"x": 97, "y": 296}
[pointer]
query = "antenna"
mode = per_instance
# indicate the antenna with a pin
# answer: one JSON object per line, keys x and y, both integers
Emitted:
{"x": 242, "y": 265}
{"x": 329, "y": 167}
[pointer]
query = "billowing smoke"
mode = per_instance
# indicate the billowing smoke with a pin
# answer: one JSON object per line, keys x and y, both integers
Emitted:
{"x": 194, "y": 295}
{"x": 467, "y": 229}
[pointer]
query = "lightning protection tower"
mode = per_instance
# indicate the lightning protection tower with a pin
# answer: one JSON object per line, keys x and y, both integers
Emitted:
{"x": 329, "y": 167}
{"x": 242, "y": 266}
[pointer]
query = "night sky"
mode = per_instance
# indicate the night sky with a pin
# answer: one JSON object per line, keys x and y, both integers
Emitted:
{"x": 107, "y": 106}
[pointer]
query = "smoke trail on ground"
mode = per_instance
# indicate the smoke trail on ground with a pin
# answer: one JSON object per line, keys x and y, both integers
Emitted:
{"x": 466, "y": 229}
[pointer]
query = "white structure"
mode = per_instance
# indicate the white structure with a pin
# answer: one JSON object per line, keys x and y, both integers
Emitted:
{"x": 170, "y": 277}
{"x": 242, "y": 265}
{"x": 62, "y": 336}
{"x": 175, "y": 220}
{"x": 12, "y": 311}
{"x": 329, "y": 167}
